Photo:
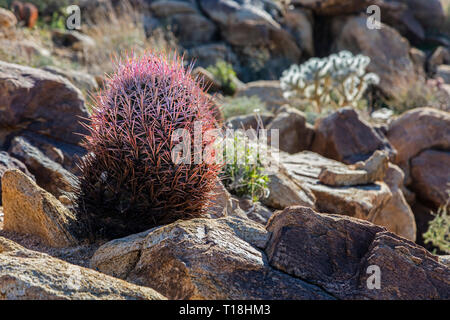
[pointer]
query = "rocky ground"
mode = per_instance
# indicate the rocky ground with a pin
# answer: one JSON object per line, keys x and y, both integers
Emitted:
{"x": 356, "y": 188}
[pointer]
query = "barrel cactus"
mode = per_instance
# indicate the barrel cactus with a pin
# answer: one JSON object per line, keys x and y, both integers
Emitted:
{"x": 129, "y": 181}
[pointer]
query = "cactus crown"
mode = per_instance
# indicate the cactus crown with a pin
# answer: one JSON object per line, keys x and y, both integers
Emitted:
{"x": 129, "y": 182}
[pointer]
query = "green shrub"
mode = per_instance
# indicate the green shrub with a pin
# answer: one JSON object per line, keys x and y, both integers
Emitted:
{"x": 224, "y": 73}
{"x": 240, "y": 106}
{"x": 243, "y": 174}
{"x": 335, "y": 81}
{"x": 438, "y": 233}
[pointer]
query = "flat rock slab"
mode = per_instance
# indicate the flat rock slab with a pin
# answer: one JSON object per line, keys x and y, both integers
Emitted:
{"x": 361, "y": 201}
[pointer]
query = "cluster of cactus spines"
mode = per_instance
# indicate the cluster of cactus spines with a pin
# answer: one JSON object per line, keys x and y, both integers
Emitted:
{"x": 338, "y": 80}
{"x": 129, "y": 182}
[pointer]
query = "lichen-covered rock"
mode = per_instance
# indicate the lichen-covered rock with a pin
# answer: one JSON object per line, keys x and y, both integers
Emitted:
{"x": 345, "y": 137}
{"x": 335, "y": 252}
{"x": 29, "y": 209}
{"x": 207, "y": 259}
{"x": 30, "y": 275}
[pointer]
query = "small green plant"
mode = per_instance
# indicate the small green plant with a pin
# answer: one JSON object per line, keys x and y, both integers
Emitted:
{"x": 335, "y": 81}
{"x": 243, "y": 174}
{"x": 224, "y": 73}
{"x": 240, "y": 106}
{"x": 438, "y": 233}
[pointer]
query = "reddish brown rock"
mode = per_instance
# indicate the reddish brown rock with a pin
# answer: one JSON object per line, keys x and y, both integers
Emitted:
{"x": 335, "y": 252}
{"x": 41, "y": 102}
{"x": 417, "y": 130}
{"x": 387, "y": 49}
{"x": 345, "y": 137}
{"x": 295, "y": 134}
{"x": 430, "y": 176}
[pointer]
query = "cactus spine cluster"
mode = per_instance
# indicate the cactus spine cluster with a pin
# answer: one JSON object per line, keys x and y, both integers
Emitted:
{"x": 129, "y": 182}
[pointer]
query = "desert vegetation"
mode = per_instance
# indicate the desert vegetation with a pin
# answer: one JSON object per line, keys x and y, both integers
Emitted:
{"x": 229, "y": 150}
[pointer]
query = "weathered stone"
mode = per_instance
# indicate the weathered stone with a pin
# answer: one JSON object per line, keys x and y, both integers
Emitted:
{"x": 66, "y": 154}
{"x": 73, "y": 39}
{"x": 6, "y": 163}
{"x": 163, "y": 9}
{"x": 284, "y": 192}
{"x": 388, "y": 51}
{"x": 333, "y": 7}
{"x": 268, "y": 92}
{"x": 443, "y": 71}
{"x": 335, "y": 252}
{"x": 372, "y": 170}
{"x": 81, "y": 80}
{"x": 345, "y": 137}
{"x": 250, "y": 121}
{"x": 241, "y": 23}
{"x": 208, "y": 54}
{"x": 255, "y": 211}
{"x": 417, "y": 130}
{"x": 49, "y": 175}
{"x": 31, "y": 210}
{"x": 7, "y": 19}
{"x": 440, "y": 56}
{"x": 299, "y": 23}
{"x": 429, "y": 13}
{"x": 193, "y": 28}
{"x": 30, "y": 275}
{"x": 207, "y": 259}
{"x": 224, "y": 204}
{"x": 362, "y": 201}
{"x": 295, "y": 134}
{"x": 207, "y": 78}
{"x": 431, "y": 176}
{"x": 397, "y": 215}
{"x": 41, "y": 102}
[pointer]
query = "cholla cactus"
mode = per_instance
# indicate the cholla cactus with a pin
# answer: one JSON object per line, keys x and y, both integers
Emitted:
{"x": 129, "y": 182}
{"x": 338, "y": 80}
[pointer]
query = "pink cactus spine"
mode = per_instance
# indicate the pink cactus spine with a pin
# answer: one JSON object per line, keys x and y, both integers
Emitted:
{"x": 129, "y": 182}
